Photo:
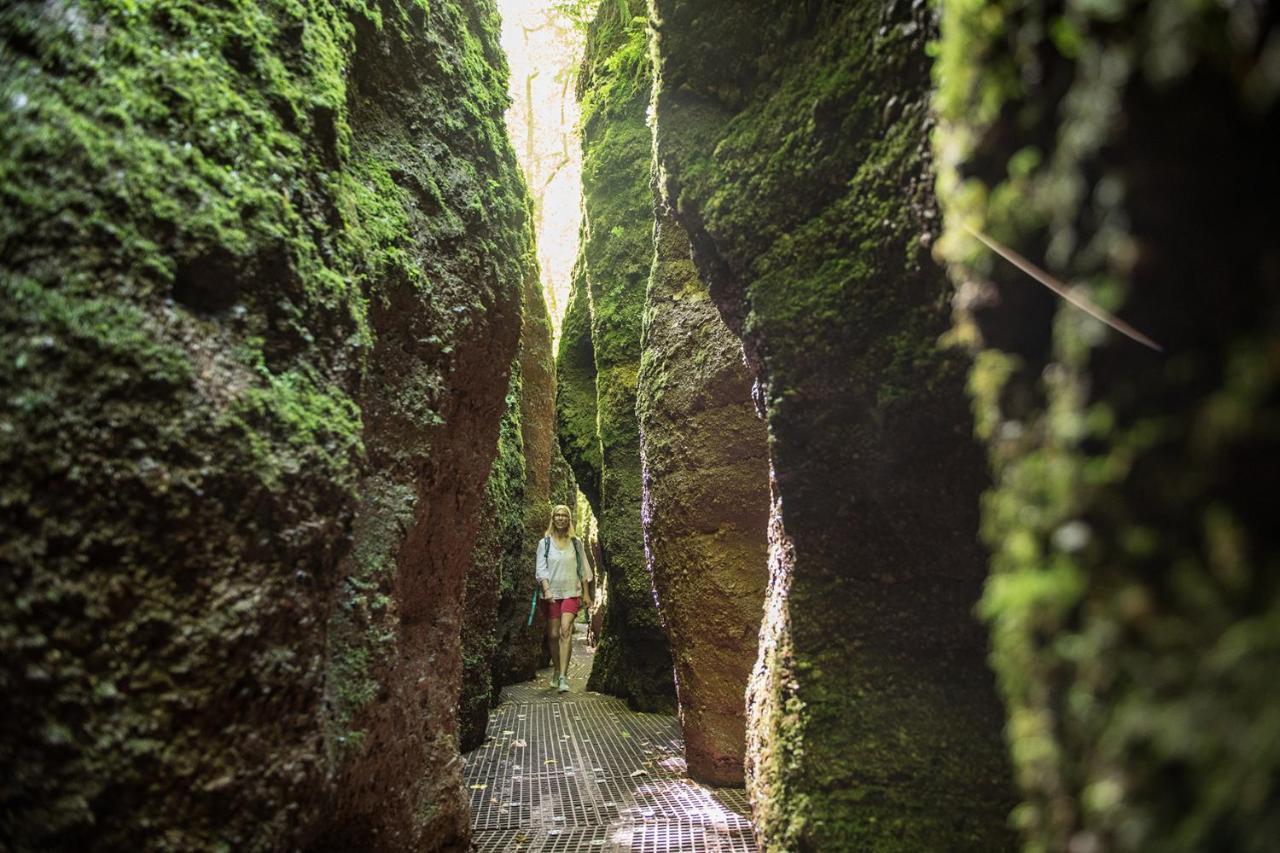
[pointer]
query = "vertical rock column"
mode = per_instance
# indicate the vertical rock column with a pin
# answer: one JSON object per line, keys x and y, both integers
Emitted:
{"x": 518, "y": 645}
{"x": 706, "y": 504}
{"x": 793, "y": 146}
{"x": 489, "y": 633}
{"x": 1134, "y": 601}
{"x": 576, "y": 391}
{"x": 633, "y": 659}
{"x": 576, "y": 410}
{"x": 257, "y": 307}
{"x": 447, "y": 326}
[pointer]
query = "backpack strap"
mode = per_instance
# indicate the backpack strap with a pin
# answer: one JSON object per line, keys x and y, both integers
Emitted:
{"x": 577, "y": 558}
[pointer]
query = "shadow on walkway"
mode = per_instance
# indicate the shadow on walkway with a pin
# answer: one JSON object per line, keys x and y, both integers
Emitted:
{"x": 578, "y": 771}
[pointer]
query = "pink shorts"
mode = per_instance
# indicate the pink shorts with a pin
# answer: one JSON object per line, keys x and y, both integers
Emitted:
{"x": 553, "y": 607}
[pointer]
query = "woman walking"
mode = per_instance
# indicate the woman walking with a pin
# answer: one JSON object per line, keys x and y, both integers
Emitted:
{"x": 563, "y": 575}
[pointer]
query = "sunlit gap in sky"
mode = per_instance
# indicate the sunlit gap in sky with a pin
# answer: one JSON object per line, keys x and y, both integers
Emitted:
{"x": 543, "y": 50}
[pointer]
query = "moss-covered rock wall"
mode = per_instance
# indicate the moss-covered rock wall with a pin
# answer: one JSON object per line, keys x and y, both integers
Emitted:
{"x": 1133, "y": 602}
{"x": 261, "y": 273}
{"x": 576, "y": 390}
{"x": 633, "y": 659}
{"x": 564, "y": 486}
{"x": 518, "y": 645}
{"x": 792, "y": 141}
{"x": 488, "y": 638}
{"x": 706, "y": 504}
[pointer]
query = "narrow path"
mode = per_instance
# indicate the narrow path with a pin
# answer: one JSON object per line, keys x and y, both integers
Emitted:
{"x": 580, "y": 772}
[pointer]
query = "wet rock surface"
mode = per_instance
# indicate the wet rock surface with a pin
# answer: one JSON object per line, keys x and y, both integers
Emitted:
{"x": 706, "y": 504}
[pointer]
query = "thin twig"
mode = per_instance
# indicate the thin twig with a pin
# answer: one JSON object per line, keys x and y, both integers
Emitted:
{"x": 1061, "y": 289}
{"x": 560, "y": 164}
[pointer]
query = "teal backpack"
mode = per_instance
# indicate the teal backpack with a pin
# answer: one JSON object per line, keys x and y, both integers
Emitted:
{"x": 546, "y": 552}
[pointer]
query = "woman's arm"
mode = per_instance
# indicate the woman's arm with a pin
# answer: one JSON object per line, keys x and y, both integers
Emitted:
{"x": 542, "y": 572}
{"x": 587, "y": 575}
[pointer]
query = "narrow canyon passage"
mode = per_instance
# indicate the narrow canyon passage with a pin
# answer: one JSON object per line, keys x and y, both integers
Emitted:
{"x": 579, "y": 771}
{"x": 907, "y": 372}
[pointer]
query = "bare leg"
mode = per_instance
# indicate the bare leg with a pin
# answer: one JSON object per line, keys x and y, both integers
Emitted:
{"x": 553, "y": 642}
{"x": 566, "y": 641}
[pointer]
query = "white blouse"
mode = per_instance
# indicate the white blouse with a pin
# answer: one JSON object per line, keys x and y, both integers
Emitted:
{"x": 560, "y": 569}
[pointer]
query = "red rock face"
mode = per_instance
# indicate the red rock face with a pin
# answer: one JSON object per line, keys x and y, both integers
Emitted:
{"x": 519, "y": 645}
{"x": 399, "y": 785}
{"x": 432, "y": 407}
{"x": 706, "y": 505}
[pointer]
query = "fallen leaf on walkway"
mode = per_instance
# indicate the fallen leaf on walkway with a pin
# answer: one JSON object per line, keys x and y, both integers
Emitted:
{"x": 625, "y": 734}
{"x": 518, "y": 744}
{"x": 508, "y": 732}
{"x": 639, "y": 773}
{"x": 479, "y": 787}
{"x": 549, "y": 761}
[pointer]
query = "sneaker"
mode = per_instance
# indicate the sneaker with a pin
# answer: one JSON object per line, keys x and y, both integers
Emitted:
{"x": 564, "y": 684}
{"x": 555, "y": 680}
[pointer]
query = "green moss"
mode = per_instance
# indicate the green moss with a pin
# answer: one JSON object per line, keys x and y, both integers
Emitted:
{"x": 576, "y": 390}
{"x": 633, "y": 660}
{"x": 792, "y": 146}
{"x": 242, "y": 246}
{"x": 361, "y": 639}
{"x": 1131, "y": 617}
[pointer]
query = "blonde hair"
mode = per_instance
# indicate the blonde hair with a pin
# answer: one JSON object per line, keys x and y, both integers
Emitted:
{"x": 551, "y": 522}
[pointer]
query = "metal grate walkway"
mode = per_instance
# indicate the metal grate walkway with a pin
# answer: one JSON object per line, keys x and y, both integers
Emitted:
{"x": 580, "y": 772}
